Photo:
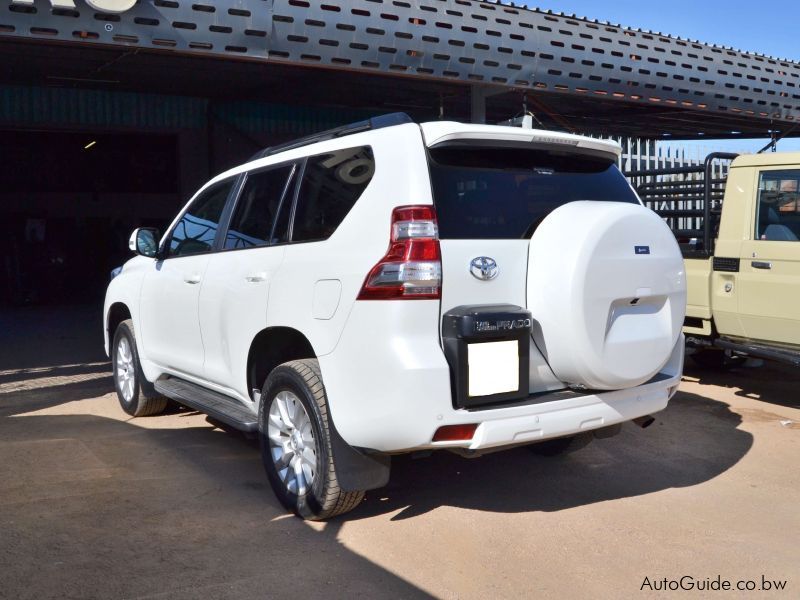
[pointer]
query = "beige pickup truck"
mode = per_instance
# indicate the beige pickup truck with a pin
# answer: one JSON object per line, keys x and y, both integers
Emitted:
{"x": 737, "y": 220}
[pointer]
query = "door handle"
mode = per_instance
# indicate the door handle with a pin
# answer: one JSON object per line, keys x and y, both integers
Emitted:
{"x": 255, "y": 277}
{"x": 192, "y": 279}
{"x": 760, "y": 264}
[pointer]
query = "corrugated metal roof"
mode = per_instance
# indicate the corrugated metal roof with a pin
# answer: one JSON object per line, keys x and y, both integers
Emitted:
{"x": 276, "y": 119}
{"x": 98, "y": 108}
{"x": 66, "y": 107}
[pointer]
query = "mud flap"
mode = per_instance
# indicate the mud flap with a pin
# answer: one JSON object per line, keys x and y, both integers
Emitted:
{"x": 356, "y": 469}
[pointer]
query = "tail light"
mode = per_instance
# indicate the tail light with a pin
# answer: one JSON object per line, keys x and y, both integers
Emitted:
{"x": 412, "y": 267}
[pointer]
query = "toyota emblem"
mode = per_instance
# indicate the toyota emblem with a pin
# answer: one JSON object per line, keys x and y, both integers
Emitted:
{"x": 483, "y": 268}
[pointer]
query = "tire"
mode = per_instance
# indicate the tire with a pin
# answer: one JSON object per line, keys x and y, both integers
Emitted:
{"x": 562, "y": 446}
{"x": 716, "y": 360}
{"x": 136, "y": 395}
{"x": 294, "y": 432}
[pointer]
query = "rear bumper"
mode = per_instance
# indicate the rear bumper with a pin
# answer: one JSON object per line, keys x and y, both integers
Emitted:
{"x": 560, "y": 418}
{"x": 392, "y": 394}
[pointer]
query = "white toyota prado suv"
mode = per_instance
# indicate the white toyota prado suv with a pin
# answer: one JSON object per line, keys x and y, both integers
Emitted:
{"x": 389, "y": 287}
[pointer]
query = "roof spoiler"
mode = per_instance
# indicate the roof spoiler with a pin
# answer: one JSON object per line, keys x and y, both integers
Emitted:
{"x": 449, "y": 134}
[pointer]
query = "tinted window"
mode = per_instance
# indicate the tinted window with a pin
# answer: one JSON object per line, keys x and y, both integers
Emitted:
{"x": 779, "y": 206}
{"x": 504, "y": 193}
{"x": 195, "y": 232}
{"x": 257, "y": 208}
{"x": 331, "y": 185}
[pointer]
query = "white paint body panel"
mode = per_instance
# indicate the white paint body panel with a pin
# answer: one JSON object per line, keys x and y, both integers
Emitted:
{"x": 327, "y": 293}
{"x": 233, "y": 310}
{"x": 169, "y": 327}
{"x": 384, "y": 370}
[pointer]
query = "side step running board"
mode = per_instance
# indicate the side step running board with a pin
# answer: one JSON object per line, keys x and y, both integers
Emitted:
{"x": 759, "y": 351}
{"x": 217, "y": 406}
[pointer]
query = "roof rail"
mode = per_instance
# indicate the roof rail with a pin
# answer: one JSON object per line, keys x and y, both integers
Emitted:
{"x": 379, "y": 122}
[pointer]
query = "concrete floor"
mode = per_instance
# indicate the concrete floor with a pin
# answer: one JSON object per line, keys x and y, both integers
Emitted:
{"x": 94, "y": 504}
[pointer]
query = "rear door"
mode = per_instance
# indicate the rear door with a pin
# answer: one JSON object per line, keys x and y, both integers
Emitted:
{"x": 233, "y": 301}
{"x": 769, "y": 280}
{"x": 489, "y": 201}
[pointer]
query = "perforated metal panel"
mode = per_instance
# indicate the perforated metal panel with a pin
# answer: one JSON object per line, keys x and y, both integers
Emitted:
{"x": 456, "y": 40}
{"x": 228, "y": 27}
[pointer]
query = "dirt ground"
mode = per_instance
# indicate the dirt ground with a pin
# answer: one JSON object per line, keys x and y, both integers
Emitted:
{"x": 94, "y": 504}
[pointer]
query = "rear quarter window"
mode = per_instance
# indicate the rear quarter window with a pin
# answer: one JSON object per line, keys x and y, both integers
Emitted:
{"x": 331, "y": 185}
{"x": 504, "y": 193}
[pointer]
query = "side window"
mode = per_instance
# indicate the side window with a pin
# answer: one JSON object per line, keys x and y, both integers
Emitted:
{"x": 778, "y": 206}
{"x": 258, "y": 208}
{"x": 331, "y": 185}
{"x": 195, "y": 232}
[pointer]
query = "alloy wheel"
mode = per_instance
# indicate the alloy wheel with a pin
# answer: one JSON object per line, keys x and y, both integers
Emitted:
{"x": 125, "y": 369}
{"x": 292, "y": 444}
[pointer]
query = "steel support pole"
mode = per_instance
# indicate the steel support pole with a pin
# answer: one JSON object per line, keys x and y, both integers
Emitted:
{"x": 477, "y": 104}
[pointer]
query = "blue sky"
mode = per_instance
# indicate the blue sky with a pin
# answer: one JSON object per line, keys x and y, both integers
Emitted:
{"x": 770, "y": 27}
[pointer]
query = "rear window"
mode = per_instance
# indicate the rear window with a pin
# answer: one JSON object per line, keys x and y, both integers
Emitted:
{"x": 504, "y": 193}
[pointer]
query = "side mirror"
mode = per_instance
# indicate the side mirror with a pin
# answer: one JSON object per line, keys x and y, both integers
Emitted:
{"x": 144, "y": 241}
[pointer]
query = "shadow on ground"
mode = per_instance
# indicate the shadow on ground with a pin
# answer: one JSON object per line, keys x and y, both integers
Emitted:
{"x": 36, "y": 336}
{"x": 95, "y": 507}
{"x": 32, "y": 398}
{"x": 32, "y": 374}
{"x": 773, "y": 382}
{"x": 693, "y": 441}
{"x": 98, "y": 507}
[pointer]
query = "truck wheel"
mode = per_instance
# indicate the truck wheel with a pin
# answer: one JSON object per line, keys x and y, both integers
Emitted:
{"x": 565, "y": 445}
{"x": 137, "y": 397}
{"x": 296, "y": 443}
{"x": 716, "y": 359}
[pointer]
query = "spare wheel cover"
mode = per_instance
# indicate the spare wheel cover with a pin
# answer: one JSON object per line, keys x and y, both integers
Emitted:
{"x": 607, "y": 291}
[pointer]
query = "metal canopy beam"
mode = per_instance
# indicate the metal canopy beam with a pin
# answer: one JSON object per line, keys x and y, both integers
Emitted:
{"x": 583, "y": 73}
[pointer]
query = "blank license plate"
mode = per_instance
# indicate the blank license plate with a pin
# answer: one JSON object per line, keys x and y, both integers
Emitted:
{"x": 493, "y": 368}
